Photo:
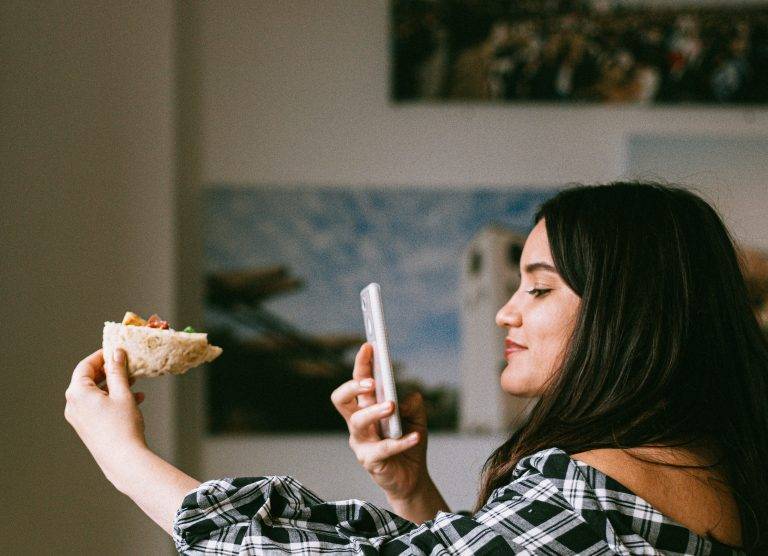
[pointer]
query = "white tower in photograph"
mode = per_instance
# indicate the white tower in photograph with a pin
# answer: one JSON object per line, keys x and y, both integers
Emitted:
{"x": 489, "y": 277}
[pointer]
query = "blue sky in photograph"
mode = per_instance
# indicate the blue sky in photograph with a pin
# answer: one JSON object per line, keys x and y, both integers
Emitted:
{"x": 338, "y": 240}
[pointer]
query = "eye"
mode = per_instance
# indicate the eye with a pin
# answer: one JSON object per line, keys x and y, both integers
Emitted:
{"x": 537, "y": 292}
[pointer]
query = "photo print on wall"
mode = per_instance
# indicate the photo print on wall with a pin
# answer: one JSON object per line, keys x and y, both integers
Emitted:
{"x": 580, "y": 51}
{"x": 284, "y": 268}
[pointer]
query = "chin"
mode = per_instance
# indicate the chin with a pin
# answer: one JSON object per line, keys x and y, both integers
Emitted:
{"x": 524, "y": 383}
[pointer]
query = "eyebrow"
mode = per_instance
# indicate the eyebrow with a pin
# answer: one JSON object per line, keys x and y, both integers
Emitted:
{"x": 533, "y": 267}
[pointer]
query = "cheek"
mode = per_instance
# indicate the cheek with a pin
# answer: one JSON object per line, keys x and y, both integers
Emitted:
{"x": 546, "y": 331}
{"x": 547, "y": 334}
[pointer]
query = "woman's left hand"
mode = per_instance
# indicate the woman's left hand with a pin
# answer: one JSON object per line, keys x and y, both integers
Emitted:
{"x": 106, "y": 418}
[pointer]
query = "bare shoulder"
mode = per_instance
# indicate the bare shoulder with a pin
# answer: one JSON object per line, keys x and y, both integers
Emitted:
{"x": 699, "y": 499}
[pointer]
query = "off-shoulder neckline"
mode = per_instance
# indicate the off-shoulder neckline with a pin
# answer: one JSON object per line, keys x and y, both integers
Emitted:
{"x": 627, "y": 490}
{"x": 623, "y": 488}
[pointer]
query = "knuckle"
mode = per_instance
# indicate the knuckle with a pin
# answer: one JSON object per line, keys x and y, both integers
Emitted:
{"x": 360, "y": 419}
{"x": 69, "y": 412}
{"x": 355, "y": 419}
{"x": 357, "y": 450}
{"x": 336, "y": 396}
{"x": 380, "y": 453}
{"x": 343, "y": 393}
{"x": 366, "y": 462}
{"x": 353, "y": 424}
{"x": 372, "y": 464}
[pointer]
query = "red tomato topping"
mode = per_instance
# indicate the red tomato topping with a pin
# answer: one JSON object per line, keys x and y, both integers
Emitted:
{"x": 156, "y": 322}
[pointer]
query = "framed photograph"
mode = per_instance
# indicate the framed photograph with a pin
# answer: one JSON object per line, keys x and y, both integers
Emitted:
{"x": 580, "y": 51}
{"x": 284, "y": 270}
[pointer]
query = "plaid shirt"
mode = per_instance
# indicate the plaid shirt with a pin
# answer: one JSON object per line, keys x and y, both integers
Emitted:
{"x": 552, "y": 505}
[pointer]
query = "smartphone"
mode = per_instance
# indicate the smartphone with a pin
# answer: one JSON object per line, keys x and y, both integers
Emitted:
{"x": 376, "y": 334}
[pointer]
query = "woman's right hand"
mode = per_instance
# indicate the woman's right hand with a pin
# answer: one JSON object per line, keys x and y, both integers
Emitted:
{"x": 399, "y": 466}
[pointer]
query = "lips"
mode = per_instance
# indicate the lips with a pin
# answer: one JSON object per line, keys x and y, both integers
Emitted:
{"x": 512, "y": 347}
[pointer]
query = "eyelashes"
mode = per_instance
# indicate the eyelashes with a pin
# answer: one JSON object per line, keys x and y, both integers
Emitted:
{"x": 537, "y": 292}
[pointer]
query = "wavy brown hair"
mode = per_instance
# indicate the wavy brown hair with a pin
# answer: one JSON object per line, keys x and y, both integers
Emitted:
{"x": 666, "y": 351}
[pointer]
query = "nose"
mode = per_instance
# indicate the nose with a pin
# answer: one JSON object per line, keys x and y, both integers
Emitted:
{"x": 509, "y": 315}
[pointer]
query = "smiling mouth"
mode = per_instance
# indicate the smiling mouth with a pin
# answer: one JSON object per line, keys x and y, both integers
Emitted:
{"x": 512, "y": 347}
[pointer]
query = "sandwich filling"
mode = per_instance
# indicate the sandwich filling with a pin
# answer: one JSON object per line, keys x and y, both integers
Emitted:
{"x": 153, "y": 348}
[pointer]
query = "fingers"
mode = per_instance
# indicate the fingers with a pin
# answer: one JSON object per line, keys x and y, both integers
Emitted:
{"x": 84, "y": 375}
{"x": 362, "y": 423}
{"x": 105, "y": 387}
{"x": 89, "y": 368}
{"x": 92, "y": 374}
{"x": 137, "y": 396}
{"x": 102, "y": 378}
{"x": 364, "y": 370}
{"x": 363, "y": 362}
{"x": 345, "y": 397}
{"x": 117, "y": 375}
{"x": 92, "y": 367}
{"x": 372, "y": 456}
{"x": 390, "y": 447}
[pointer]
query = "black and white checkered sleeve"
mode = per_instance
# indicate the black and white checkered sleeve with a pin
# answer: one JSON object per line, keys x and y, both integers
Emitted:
{"x": 277, "y": 515}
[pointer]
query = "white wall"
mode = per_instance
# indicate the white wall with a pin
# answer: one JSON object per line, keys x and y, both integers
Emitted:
{"x": 731, "y": 172}
{"x": 86, "y": 232}
{"x": 285, "y": 93}
{"x": 297, "y": 93}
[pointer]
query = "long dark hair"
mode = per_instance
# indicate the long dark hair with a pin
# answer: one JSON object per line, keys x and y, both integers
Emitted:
{"x": 667, "y": 350}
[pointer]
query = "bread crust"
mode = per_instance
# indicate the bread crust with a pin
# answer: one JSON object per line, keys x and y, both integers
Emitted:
{"x": 153, "y": 352}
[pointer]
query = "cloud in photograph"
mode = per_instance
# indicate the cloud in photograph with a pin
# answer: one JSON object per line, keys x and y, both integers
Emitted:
{"x": 338, "y": 240}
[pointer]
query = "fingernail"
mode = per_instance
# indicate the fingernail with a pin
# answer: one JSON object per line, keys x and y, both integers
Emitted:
{"x": 385, "y": 409}
{"x": 413, "y": 437}
{"x": 119, "y": 356}
{"x": 366, "y": 383}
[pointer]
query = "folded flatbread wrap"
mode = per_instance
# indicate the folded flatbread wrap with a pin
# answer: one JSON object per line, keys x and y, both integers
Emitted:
{"x": 155, "y": 351}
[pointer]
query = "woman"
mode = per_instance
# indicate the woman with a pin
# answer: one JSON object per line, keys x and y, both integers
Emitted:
{"x": 632, "y": 333}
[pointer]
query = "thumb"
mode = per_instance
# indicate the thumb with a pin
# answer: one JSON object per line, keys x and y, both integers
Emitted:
{"x": 117, "y": 375}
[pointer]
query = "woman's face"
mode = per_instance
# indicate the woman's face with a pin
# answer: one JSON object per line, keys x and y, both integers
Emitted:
{"x": 539, "y": 317}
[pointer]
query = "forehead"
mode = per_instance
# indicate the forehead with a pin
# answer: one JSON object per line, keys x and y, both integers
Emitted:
{"x": 536, "y": 247}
